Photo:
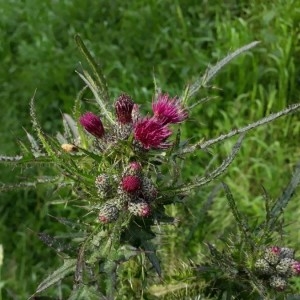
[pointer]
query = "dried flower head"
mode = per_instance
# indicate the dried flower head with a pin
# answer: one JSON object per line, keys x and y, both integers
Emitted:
{"x": 124, "y": 106}
{"x": 69, "y": 148}
{"x": 168, "y": 110}
{"x": 92, "y": 124}
{"x": 131, "y": 183}
{"x": 151, "y": 134}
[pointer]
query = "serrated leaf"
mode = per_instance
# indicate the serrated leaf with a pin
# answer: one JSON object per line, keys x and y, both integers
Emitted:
{"x": 85, "y": 292}
{"x": 66, "y": 269}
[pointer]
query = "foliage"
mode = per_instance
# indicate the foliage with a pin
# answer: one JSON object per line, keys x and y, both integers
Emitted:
{"x": 184, "y": 38}
{"x": 126, "y": 161}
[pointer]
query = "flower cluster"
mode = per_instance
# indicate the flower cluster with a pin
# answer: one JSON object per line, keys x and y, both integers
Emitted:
{"x": 127, "y": 188}
{"x": 133, "y": 192}
{"x": 148, "y": 132}
{"x": 277, "y": 266}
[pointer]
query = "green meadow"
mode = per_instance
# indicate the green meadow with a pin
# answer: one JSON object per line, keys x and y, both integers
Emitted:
{"x": 134, "y": 42}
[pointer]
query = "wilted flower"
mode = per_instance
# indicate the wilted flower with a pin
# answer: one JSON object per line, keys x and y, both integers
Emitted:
{"x": 131, "y": 183}
{"x": 168, "y": 110}
{"x": 151, "y": 133}
{"x": 92, "y": 124}
{"x": 124, "y": 106}
{"x": 69, "y": 148}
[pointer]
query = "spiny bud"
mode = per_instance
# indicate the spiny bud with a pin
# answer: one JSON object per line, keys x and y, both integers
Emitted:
{"x": 131, "y": 183}
{"x": 295, "y": 268}
{"x": 139, "y": 208}
{"x": 135, "y": 167}
{"x": 108, "y": 213}
{"x": 124, "y": 106}
{"x": 263, "y": 267}
{"x": 287, "y": 253}
{"x": 284, "y": 267}
{"x": 149, "y": 190}
{"x": 278, "y": 283}
{"x": 102, "y": 184}
{"x": 272, "y": 255}
{"x": 92, "y": 124}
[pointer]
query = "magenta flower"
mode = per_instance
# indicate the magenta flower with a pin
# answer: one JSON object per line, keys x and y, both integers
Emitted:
{"x": 92, "y": 124}
{"x": 168, "y": 110}
{"x": 151, "y": 133}
{"x": 131, "y": 183}
{"x": 124, "y": 106}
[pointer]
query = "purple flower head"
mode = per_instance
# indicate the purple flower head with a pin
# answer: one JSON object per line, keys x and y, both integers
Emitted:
{"x": 92, "y": 124}
{"x": 168, "y": 110}
{"x": 151, "y": 133}
{"x": 124, "y": 106}
{"x": 131, "y": 183}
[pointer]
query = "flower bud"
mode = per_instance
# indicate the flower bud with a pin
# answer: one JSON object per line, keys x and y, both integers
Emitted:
{"x": 272, "y": 255}
{"x": 278, "y": 283}
{"x": 108, "y": 213}
{"x": 284, "y": 267}
{"x": 102, "y": 184}
{"x": 139, "y": 208}
{"x": 263, "y": 267}
{"x": 131, "y": 183}
{"x": 295, "y": 268}
{"x": 124, "y": 106}
{"x": 149, "y": 190}
{"x": 92, "y": 124}
{"x": 287, "y": 253}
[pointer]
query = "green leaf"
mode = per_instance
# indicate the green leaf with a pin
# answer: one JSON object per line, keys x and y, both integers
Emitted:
{"x": 86, "y": 292}
{"x": 150, "y": 252}
{"x": 66, "y": 269}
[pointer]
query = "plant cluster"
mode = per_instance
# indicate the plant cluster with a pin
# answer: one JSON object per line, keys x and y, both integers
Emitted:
{"x": 123, "y": 170}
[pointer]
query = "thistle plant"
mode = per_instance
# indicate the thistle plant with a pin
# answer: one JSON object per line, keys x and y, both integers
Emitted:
{"x": 122, "y": 168}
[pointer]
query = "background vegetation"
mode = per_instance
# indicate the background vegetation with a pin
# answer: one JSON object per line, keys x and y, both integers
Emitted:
{"x": 175, "y": 40}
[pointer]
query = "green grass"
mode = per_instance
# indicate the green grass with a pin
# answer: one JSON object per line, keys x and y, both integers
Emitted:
{"x": 175, "y": 41}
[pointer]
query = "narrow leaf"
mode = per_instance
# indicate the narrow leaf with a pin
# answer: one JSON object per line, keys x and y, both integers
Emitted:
{"x": 212, "y": 72}
{"x": 66, "y": 269}
{"x": 101, "y": 82}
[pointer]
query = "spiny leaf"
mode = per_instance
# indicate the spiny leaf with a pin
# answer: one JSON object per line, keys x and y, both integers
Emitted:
{"x": 213, "y": 71}
{"x": 240, "y": 220}
{"x": 150, "y": 252}
{"x": 223, "y": 137}
{"x": 215, "y": 173}
{"x": 66, "y": 269}
{"x": 100, "y": 79}
{"x": 38, "y": 129}
{"x": 90, "y": 83}
{"x": 86, "y": 292}
{"x": 284, "y": 199}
